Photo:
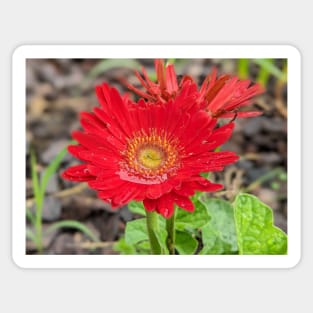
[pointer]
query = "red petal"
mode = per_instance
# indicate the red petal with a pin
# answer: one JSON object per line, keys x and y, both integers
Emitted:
{"x": 209, "y": 161}
{"x": 90, "y": 141}
{"x": 185, "y": 189}
{"x": 215, "y": 87}
{"x": 111, "y": 183}
{"x": 127, "y": 193}
{"x": 157, "y": 190}
{"x": 91, "y": 122}
{"x": 165, "y": 206}
{"x": 220, "y": 136}
{"x": 160, "y": 71}
{"x": 103, "y": 94}
{"x": 119, "y": 195}
{"x": 184, "y": 203}
{"x": 200, "y": 124}
{"x": 150, "y": 204}
{"x": 78, "y": 173}
{"x": 241, "y": 114}
{"x": 223, "y": 95}
{"x": 76, "y": 151}
{"x": 171, "y": 80}
{"x": 202, "y": 184}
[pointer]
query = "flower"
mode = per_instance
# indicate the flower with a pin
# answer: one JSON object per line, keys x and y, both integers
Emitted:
{"x": 166, "y": 87}
{"x": 150, "y": 152}
{"x": 224, "y": 96}
{"x": 220, "y": 96}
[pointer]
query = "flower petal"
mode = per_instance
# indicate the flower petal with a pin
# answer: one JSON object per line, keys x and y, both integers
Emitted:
{"x": 184, "y": 203}
{"x": 165, "y": 206}
{"x": 150, "y": 204}
{"x": 157, "y": 190}
{"x": 241, "y": 114}
{"x": 78, "y": 173}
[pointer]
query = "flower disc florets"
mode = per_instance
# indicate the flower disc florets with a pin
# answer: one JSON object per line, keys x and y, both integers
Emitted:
{"x": 151, "y": 156}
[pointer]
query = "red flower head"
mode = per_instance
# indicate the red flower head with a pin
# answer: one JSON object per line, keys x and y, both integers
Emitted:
{"x": 150, "y": 153}
{"x": 224, "y": 96}
{"x": 220, "y": 97}
{"x": 166, "y": 87}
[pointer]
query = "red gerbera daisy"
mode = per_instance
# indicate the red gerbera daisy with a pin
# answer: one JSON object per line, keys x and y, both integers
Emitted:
{"x": 224, "y": 96}
{"x": 151, "y": 153}
{"x": 220, "y": 97}
{"x": 166, "y": 87}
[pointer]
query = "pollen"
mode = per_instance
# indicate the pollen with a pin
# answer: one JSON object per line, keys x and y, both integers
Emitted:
{"x": 152, "y": 155}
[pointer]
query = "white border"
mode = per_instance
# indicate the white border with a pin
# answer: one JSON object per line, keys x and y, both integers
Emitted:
{"x": 155, "y": 51}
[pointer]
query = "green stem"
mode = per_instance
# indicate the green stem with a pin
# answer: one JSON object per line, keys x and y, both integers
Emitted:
{"x": 38, "y": 201}
{"x": 170, "y": 227}
{"x": 38, "y": 226}
{"x": 153, "y": 228}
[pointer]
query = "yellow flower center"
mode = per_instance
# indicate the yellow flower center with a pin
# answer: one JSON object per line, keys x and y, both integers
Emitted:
{"x": 150, "y": 157}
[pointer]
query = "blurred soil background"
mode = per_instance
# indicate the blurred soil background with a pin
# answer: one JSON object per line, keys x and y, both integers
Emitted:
{"x": 59, "y": 89}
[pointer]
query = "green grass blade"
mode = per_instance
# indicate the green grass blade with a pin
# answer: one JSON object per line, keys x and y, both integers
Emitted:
{"x": 243, "y": 68}
{"x": 30, "y": 216}
{"x": 39, "y": 202}
{"x": 108, "y": 64}
{"x": 269, "y": 66}
{"x": 74, "y": 225}
{"x": 264, "y": 74}
{"x": 262, "y": 179}
{"x": 51, "y": 169}
{"x": 30, "y": 235}
{"x": 35, "y": 180}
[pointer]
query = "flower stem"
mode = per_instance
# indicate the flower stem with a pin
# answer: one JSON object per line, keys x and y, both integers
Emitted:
{"x": 170, "y": 227}
{"x": 153, "y": 228}
{"x": 38, "y": 226}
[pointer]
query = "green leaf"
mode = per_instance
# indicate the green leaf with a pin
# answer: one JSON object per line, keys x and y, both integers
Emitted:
{"x": 136, "y": 231}
{"x": 108, "y": 64}
{"x": 30, "y": 235}
{"x": 187, "y": 220}
{"x": 143, "y": 248}
{"x": 123, "y": 248}
{"x": 35, "y": 181}
{"x": 243, "y": 68}
{"x": 264, "y": 74}
{"x": 219, "y": 235}
{"x": 136, "y": 208}
{"x": 76, "y": 225}
{"x": 51, "y": 169}
{"x": 269, "y": 66}
{"x": 255, "y": 230}
{"x": 30, "y": 216}
{"x": 185, "y": 243}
